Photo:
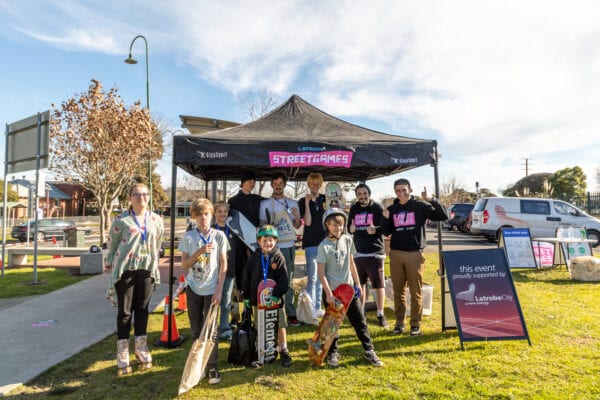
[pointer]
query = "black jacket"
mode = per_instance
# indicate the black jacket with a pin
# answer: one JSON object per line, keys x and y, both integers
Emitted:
{"x": 253, "y": 274}
{"x": 407, "y": 221}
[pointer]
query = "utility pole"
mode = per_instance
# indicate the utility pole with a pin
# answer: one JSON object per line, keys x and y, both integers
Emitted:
{"x": 526, "y": 166}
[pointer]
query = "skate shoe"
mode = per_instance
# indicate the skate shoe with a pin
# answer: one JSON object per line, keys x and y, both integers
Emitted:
{"x": 214, "y": 377}
{"x": 333, "y": 359}
{"x": 371, "y": 357}
{"x": 286, "y": 360}
{"x": 123, "y": 367}
{"x": 142, "y": 353}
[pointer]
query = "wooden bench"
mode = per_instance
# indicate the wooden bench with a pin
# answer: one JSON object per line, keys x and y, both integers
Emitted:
{"x": 17, "y": 256}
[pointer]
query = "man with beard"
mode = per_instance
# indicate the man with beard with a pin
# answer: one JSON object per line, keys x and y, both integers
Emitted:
{"x": 370, "y": 252}
{"x": 285, "y": 215}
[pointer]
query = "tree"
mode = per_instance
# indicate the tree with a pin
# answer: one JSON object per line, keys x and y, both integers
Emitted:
{"x": 569, "y": 183}
{"x": 95, "y": 138}
{"x": 532, "y": 185}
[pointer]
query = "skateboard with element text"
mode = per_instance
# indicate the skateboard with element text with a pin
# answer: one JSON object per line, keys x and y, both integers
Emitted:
{"x": 266, "y": 323}
{"x": 321, "y": 341}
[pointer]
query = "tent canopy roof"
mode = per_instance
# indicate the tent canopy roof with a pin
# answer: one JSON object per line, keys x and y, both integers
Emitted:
{"x": 298, "y": 138}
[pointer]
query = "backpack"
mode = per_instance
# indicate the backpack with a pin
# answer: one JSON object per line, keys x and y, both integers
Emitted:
{"x": 242, "y": 350}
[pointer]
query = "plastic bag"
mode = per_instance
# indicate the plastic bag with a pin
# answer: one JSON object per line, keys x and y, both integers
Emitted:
{"x": 242, "y": 350}
{"x": 305, "y": 310}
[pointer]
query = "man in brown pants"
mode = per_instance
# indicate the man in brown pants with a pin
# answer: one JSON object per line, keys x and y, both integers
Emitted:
{"x": 405, "y": 221}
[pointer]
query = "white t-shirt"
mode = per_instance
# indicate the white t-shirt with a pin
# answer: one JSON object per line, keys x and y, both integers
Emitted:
{"x": 336, "y": 257}
{"x": 203, "y": 277}
{"x": 275, "y": 209}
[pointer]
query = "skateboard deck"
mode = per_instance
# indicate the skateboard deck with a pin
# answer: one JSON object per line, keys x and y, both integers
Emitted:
{"x": 334, "y": 196}
{"x": 321, "y": 341}
{"x": 243, "y": 228}
{"x": 195, "y": 365}
{"x": 266, "y": 324}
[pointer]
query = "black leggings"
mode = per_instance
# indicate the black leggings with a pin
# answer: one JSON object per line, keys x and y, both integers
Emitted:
{"x": 134, "y": 291}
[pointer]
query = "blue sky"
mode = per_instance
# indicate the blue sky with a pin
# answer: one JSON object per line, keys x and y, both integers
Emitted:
{"x": 493, "y": 82}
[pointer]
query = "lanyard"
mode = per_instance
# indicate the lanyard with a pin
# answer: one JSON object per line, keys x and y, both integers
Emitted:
{"x": 265, "y": 266}
{"x": 143, "y": 232}
{"x": 222, "y": 229}
{"x": 284, "y": 203}
{"x": 205, "y": 239}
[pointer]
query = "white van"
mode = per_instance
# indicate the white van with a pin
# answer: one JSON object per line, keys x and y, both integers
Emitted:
{"x": 541, "y": 216}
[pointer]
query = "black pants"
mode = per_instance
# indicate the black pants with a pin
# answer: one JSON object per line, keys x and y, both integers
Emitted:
{"x": 198, "y": 307}
{"x": 358, "y": 322}
{"x": 134, "y": 291}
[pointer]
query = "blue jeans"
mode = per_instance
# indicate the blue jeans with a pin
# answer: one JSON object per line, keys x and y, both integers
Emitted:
{"x": 289, "y": 254}
{"x": 313, "y": 286}
{"x": 226, "y": 304}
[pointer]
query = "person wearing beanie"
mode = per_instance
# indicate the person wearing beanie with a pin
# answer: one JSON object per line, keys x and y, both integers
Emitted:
{"x": 248, "y": 204}
{"x": 405, "y": 221}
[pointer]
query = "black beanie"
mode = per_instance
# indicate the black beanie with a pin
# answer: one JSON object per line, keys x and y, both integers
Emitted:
{"x": 248, "y": 176}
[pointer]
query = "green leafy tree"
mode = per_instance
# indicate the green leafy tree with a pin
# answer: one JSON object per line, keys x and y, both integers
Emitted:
{"x": 95, "y": 138}
{"x": 568, "y": 184}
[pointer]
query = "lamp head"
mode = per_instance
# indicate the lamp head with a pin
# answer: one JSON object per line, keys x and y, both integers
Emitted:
{"x": 131, "y": 60}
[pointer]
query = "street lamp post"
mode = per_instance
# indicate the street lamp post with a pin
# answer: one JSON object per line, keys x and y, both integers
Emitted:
{"x": 131, "y": 60}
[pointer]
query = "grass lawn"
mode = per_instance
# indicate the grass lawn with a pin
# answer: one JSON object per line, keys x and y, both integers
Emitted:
{"x": 17, "y": 282}
{"x": 562, "y": 316}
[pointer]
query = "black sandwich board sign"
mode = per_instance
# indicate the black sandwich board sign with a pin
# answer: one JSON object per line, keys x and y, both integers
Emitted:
{"x": 483, "y": 295}
{"x": 516, "y": 242}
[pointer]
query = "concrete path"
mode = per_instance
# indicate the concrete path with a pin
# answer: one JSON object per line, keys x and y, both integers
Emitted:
{"x": 42, "y": 331}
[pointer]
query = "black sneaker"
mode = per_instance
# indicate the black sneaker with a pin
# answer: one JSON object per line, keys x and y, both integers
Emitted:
{"x": 415, "y": 331}
{"x": 293, "y": 321}
{"x": 286, "y": 360}
{"x": 214, "y": 377}
{"x": 398, "y": 329}
{"x": 333, "y": 359}
{"x": 382, "y": 321}
{"x": 371, "y": 357}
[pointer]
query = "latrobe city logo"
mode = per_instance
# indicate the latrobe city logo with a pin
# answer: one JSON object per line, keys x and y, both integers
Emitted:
{"x": 471, "y": 298}
{"x": 211, "y": 154}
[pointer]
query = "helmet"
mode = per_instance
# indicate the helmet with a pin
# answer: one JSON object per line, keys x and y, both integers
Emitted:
{"x": 267, "y": 230}
{"x": 331, "y": 212}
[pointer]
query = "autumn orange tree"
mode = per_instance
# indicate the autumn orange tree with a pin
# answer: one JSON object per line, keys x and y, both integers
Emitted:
{"x": 95, "y": 138}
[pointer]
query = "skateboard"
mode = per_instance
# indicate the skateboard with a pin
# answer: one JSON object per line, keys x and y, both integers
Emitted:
{"x": 195, "y": 365}
{"x": 334, "y": 196}
{"x": 266, "y": 323}
{"x": 243, "y": 228}
{"x": 321, "y": 341}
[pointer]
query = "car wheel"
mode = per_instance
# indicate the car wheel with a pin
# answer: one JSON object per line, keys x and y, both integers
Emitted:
{"x": 594, "y": 235}
{"x": 41, "y": 237}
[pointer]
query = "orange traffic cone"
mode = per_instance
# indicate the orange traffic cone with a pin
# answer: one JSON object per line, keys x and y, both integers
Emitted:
{"x": 176, "y": 339}
{"x": 55, "y": 244}
{"x": 182, "y": 297}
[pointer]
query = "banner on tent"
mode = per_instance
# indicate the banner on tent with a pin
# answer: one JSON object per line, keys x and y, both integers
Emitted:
{"x": 337, "y": 158}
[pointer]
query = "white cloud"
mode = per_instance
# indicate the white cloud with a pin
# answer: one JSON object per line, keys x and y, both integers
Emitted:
{"x": 493, "y": 82}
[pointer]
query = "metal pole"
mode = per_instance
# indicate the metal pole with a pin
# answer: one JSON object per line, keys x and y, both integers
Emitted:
{"x": 172, "y": 238}
{"x": 5, "y": 198}
{"x": 148, "y": 108}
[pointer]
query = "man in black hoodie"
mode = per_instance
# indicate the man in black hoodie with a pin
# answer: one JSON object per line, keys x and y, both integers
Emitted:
{"x": 363, "y": 224}
{"x": 405, "y": 221}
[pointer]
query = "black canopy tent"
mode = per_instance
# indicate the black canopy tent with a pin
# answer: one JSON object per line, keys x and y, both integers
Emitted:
{"x": 297, "y": 138}
{"x": 300, "y": 139}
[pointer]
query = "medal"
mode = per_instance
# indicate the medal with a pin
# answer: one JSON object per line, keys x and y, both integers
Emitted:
{"x": 143, "y": 249}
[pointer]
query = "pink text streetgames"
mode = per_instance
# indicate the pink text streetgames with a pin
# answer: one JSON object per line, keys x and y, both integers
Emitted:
{"x": 338, "y": 158}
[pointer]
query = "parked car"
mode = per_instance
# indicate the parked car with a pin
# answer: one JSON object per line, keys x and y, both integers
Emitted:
{"x": 47, "y": 228}
{"x": 459, "y": 217}
{"x": 542, "y": 216}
